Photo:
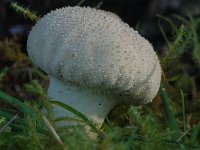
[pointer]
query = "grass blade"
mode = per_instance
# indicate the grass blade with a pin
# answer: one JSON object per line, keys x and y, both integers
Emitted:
{"x": 79, "y": 114}
{"x": 183, "y": 109}
{"x": 3, "y": 72}
{"x": 13, "y": 101}
{"x": 5, "y": 114}
{"x": 171, "y": 120}
{"x": 195, "y": 133}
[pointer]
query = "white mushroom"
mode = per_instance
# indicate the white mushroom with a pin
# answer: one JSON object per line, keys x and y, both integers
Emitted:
{"x": 94, "y": 61}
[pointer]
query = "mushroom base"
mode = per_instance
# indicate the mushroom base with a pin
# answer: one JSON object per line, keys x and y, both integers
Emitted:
{"x": 94, "y": 105}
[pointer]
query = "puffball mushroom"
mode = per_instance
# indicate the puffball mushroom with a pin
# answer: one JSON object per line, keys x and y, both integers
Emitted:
{"x": 94, "y": 61}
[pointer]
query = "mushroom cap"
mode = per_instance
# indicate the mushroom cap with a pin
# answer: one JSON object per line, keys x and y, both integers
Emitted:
{"x": 96, "y": 50}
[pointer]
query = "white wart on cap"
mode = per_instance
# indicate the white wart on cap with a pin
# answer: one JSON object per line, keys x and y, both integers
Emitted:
{"x": 94, "y": 61}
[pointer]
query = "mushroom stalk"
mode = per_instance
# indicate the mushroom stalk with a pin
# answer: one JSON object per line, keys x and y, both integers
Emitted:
{"x": 93, "y": 105}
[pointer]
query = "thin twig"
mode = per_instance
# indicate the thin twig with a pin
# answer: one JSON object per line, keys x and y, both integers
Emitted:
{"x": 81, "y": 2}
{"x": 9, "y": 122}
{"x": 179, "y": 139}
{"x": 52, "y": 130}
{"x": 99, "y": 5}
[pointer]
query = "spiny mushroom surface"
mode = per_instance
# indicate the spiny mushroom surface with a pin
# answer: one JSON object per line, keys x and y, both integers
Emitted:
{"x": 94, "y": 61}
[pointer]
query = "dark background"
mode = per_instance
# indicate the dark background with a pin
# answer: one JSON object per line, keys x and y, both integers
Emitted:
{"x": 137, "y": 13}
